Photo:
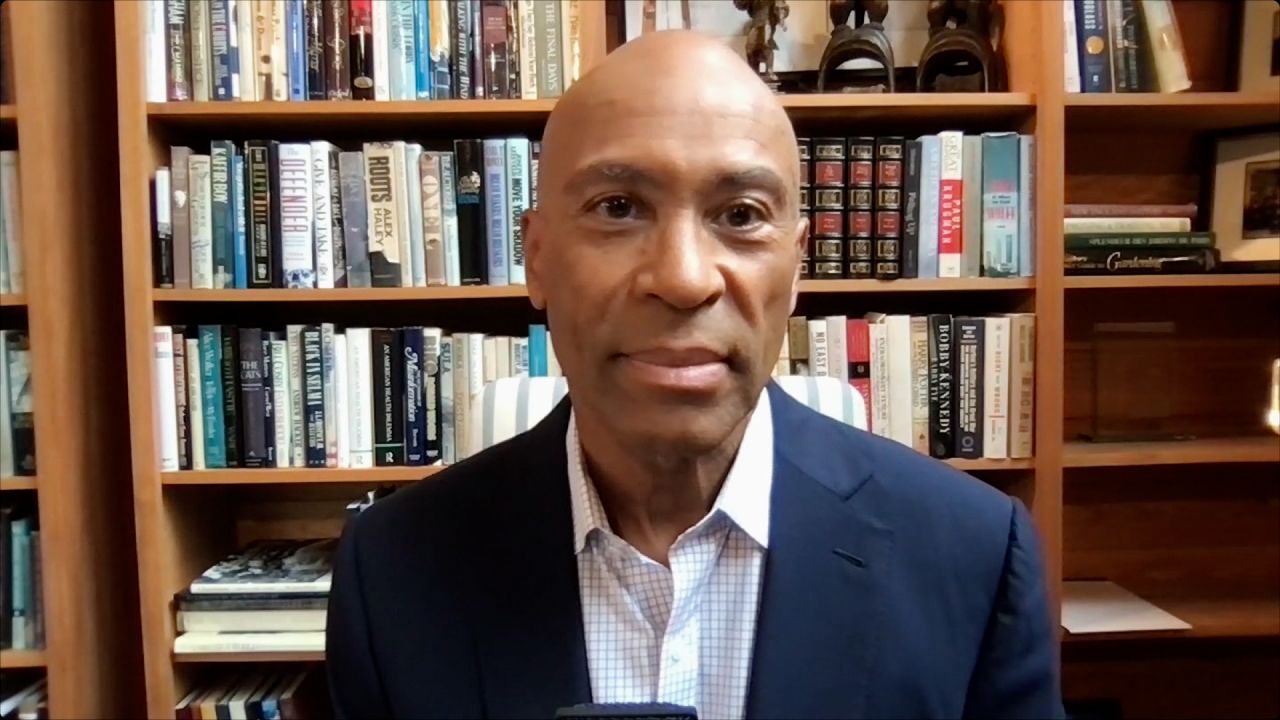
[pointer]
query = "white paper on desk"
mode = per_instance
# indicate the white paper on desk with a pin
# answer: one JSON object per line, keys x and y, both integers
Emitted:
{"x": 1101, "y": 606}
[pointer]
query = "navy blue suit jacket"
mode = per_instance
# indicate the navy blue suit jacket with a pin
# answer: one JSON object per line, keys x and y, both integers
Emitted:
{"x": 894, "y": 586}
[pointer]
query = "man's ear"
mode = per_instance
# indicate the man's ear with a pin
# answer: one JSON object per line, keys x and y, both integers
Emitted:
{"x": 534, "y": 232}
{"x": 799, "y": 242}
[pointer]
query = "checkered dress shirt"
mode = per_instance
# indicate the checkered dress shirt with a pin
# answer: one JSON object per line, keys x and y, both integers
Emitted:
{"x": 682, "y": 634}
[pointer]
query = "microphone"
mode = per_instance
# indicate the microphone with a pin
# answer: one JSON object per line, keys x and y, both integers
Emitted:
{"x": 626, "y": 711}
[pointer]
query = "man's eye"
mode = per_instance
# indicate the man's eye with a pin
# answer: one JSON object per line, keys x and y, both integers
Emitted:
{"x": 741, "y": 215}
{"x": 616, "y": 207}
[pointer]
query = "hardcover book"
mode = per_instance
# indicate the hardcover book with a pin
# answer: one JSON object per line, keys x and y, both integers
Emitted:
{"x": 180, "y": 213}
{"x": 271, "y": 566}
{"x": 355, "y": 228}
{"x": 1000, "y": 205}
{"x": 384, "y": 239}
{"x": 969, "y": 364}
{"x": 415, "y": 425}
{"x": 388, "y": 398}
{"x": 497, "y": 236}
{"x": 337, "y": 64}
{"x": 313, "y": 395}
{"x": 941, "y": 387}
{"x": 888, "y": 226}
{"x": 469, "y": 198}
{"x": 297, "y": 258}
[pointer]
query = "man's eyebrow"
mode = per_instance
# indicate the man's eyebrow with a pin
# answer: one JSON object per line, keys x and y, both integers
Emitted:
{"x": 611, "y": 172}
{"x": 753, "y": 178}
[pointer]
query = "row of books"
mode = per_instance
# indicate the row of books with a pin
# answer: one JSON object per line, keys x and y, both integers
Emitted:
{"x": 21, "y": 601}
{"x": 257, "y": 694}
{"x": 30, "y": 702}
{"x": 940, "y": 206}
{"x": 17, "y": 421}
{"x": 314, "y": 396}
{"x": 945, "y": 386}
{"x": 1137, "y": 239}
{"x": 1122, "y": 46}
{"x": 11, "y": 280}
{"x": 360, "y": 49}
{"x": 308, "y": 215}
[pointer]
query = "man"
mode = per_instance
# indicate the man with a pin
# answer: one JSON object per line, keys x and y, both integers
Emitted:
{"x": 682, "y": 531}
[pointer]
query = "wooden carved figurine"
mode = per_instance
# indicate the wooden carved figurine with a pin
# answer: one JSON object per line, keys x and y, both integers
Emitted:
{"x": 863, "y": 40}
{"x": 766, "y": 17}
{"x": 963, "y": 51}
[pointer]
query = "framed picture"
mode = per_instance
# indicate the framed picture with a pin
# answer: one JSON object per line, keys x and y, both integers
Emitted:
{"x": 1260, "y": 47}
{"x": 1246, "y": 201}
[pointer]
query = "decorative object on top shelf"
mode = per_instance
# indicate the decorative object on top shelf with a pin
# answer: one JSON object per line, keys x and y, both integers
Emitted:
{"x": 762, "y": 28}
{"x": 864, "y": 40}
{"x": 1260, "y": 47}
{"x": 963, "y": 52}
{"x": 1246, "y": 202}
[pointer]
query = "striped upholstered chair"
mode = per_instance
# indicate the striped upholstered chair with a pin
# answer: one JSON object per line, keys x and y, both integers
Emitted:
{"x": 508, "y": 407}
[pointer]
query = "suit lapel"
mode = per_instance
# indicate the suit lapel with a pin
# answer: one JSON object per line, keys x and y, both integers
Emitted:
{"x": 531, "y": 648}
{"x": 818, "y": 627}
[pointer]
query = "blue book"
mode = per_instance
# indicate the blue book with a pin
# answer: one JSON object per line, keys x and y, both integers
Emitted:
{"x": 537, "y": 351}
{"x": 422, "y": 48}
{"x": 1026, "y": 205}
{"x": 497, "y": 221}
{"x": 296, "y": 48}
{"x": 215, "y": 445}
{"x": 415, "y": 411}
{"x": 930, "y": 184}
{"x": 220, "y": 49}
{"x": 20, "y": 582}
{"x": 440, "y": 49}
{"x": 403, "y": 50}
{"x": 241, "y": 236}
{"x": 1000, "y": 204}
{"x": 1095, "y": 46}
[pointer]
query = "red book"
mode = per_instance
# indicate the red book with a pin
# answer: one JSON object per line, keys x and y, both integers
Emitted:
{"x": 951, "y": 205}
{"x": 858, "y": 347}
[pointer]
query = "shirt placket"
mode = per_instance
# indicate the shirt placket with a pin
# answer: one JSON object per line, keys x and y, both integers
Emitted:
{"x": 692, "y": 560}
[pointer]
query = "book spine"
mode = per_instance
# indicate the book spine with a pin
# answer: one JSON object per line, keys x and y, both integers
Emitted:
{"x": 6, "y": 434}
{"x": 1026, "y": 206}
{"x": 449, "y": 215}
{"x": 248, "y": 61}
{"x": 477, "y": 53}
{"x": 1022, "y": 384}
{"x": 858, "y": 356}
{"x": 447, "y": 451}
{"x": 268, "y": 432}
{"x": 432, "y": 218}
{"x": 1113, "y": 240}
{"x": 388, "y": 400}
{"x": 400, "y": 214}
{"x": 261, "y": 71}
{"x": 277, "y": 211}
{"x": 221, "y": 214}
{"x": 199, "y": 57}
{"x": 941, "y": 379}
{"x": 431, "y": 347}
{"x": 422, "y": 78}
{"x": 1092, "y": 37}
{"x": 493, "y": 23}
{"x": 517, "y": 204}
{"x": 475, "y": 383}
{"x": 528, "y": 21}
{"x": 280, "y": 401}
{"x": 1086, "y": 226}
{"x": 382, "y": 50}
{"x": 313, "y": 28}
{"x": 162, "y": 192}
{"x": 321, "y": 219}
{"x": 177, "y": 43}
{"x": 520, "y": 357}
{"x": 313, "y": 395}
{"x": 330, "y": 403}
{"x": 155, "y": 56}
{"x": 215, "y": 447}
{"x": 297, "y": 257}
{"x": 512, "y": 18}
{"x": 336, "y": 222}
{"x": 549, "y": 47}
{"x": 889, "y": 175}
{"x": 341, "y": 410}
{"x": 819, "y": 349}
{"x": 165, "y": 402}
{"x": 1121, "y": 71}
{"x": 1000, "y": 205}
{"x": 971, "y": 227}
{"x": 495, "y": 210}
{"x": 253, "y": 399}
{"x": 461, "y": 394}
{"x": 297, "y": 405}
{"x": 201, "y": 204}
{"x": 403, "y": 49}
{"x": 384, "y": 242}
{"x": 489, "y": 357}
{"x": 880, "y": 408}
{"x": 441, "y": 49}
{"x": 361, "y": 49}
{"x": 995, "y": 384}
{"x": 951, "y": 205}
{"x": 1166, "y": 47}
{"x": 930, "y": 185}
{"x": 279, "y": 64}
{"x": 360, "y": 397}
{"x": 837, "y": 353}
{"x": 571, "y": 35}
{"x": 19, "y": 541}
{"x": 220, "y": 49}
{"x": 538, "y": 349}
{"x": 899, "y": 334}
{"x": 911, "y": 209}
{"x": 1070, "y": 48}
{"x": 920, "y": 384}
{"x": 22, "y": 437}
{"x": 180, "y": 214}
{"x": 296, "y": 48}
{"x": 798, "y": 341}
{"x": 969, "y": 365}
{"x": 240, "y": 254}
{"x": 195, "y": 401}
{"x": 414, "y": 219}
{"x": 181, "y": 403}
{"x": 828, "y": 215}
{"x": 231, "y": 395}
{"x": 1132, "y": 210}
{"x": 1140, "y": 261}
{"x": 355, "y": 218}
{"x": 469, "y": 196}
{"x": 415, "y": 426}
{"x": 337, "y": 62}
{"x": 461, "y": 67}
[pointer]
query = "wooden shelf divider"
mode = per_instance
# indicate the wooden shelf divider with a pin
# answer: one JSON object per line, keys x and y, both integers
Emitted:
{"x": 1259, "y": 449}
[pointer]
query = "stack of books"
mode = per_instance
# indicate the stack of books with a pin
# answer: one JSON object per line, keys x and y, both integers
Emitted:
{"x": 946, "y": 386}
{"x": 1135, "y": 240}
{"x": 360, "y": 49}
{"x": 11, "y": 275}
{"x": 270, "y": 597}
{"x": 17, "y": 419}
{"x": 257, "y": 695}
{"x": 29, "y": 703}
{"x": 21, "y": 578}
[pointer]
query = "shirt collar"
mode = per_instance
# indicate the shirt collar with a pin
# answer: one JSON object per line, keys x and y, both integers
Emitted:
{"x": 744, "y": 496}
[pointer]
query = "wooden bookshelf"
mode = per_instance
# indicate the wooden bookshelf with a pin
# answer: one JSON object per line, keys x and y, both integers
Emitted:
{"x": 1260, "y": 449}
{"x": 1166, "y": 111}
{"x": 1207, "y": 280}
{"x": 22, "y": 659}
{"x": 264, "y": 657}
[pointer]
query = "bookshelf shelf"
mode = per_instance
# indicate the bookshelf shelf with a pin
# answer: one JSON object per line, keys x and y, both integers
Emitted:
{"x": 268, "y": 657}
{"x": 1209, "y": 280}
{"x": 985, "y": 464}
{"x": 8, "y": 115}
{"x": 1259, "y": 449}
{"x": 949, "y": 107}
{"x": 917, "y": 285}
{"x": 298, "y": 476}
{"x": 15, "y": 659}
{"x": 13, "y": 300}
{"x": 322, "y": 115}
{"x": 17, "y": 483}
{"x": 1169, "y": 111}
{"x": 1243, "y": 616}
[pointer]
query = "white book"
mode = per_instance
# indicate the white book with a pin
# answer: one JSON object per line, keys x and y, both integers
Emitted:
{"x": 461, "y": 393}
{"x": 1070, "y": 47}
{"x": 447, "y": 451}
{"x": 360, "y": 397}
{"x": 503, "y": 356}
{"x": 1026, "y": 205}
{"x": 879, "y": 411}
{"x": 1166, "y": 45}
{"x": 297, "y": 429}
{"x": 1124, "y": 225}
{"x": 920, "y": 384}
{"x": 200, "y": 203}
{"x": 163, "y": 190}
{"x": 280, "y": 401}
{"x": 431, "y": 338}
{"x": 6, "y": 420}
{"x": 490, "y": 359}
{"x": 400, "y": 196}
{"x": 520, "y": 357}
{"x": 995, "y": 389}
{"x": 297, "y": 245}
{"x": 449, "y": 217}
{"x": 900, "y": 377}
{"x": 553, "y": 360}
{"x": 528, "y": 49}
{"x": 11, "y": 209}
{"x": 413, "y": 186}
{"x": 248, "y": 59}
{"x": 195, "y": 404}
{"x": 212, "y": 621}
{"x": 381, "y": 51}
{"x": 1022, "y": 384}
{"x": 249, "y": 642}
{"x": 156, "y": 54}
{"x": 951, "y": 238}
{"x": 783, "y": 365}
{"x": 475, "y": 370}
{"x": 164, "y": 398}
{"x": 837, "y": 347}
{"x": 570, "y": 41}
{"x": 819, "y": 349}
{"x": 198, "y": 50}
{"x": 342, "y": 424}
{"x": 329, "y": 390}
{"x": 517, "y": 203}
{"x": 322, "y": 214}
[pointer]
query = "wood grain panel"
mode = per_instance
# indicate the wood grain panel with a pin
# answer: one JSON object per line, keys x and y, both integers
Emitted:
{"x": 1210, "y": 41}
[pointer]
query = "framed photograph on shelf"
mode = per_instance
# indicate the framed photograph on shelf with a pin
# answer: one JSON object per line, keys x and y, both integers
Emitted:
{"x": 1260, "y": 47}
{"x": 1246, "y": 202}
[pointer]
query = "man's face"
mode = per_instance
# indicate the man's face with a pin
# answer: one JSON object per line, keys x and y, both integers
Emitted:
{"x": 665, "y": 250}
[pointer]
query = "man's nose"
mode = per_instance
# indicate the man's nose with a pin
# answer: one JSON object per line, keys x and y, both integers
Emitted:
{"x": 681, "y": 267}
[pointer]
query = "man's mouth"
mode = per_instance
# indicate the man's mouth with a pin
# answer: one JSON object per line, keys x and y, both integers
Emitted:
{"x": 688, "y": 368}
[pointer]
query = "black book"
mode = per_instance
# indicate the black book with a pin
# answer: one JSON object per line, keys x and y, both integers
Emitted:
{"x": 388, "y": 397}
{"x": 431, "y": 395}
{"x": 180, "y": 361}
{"x": 415, "y": 425}
{"x": 493, "y": 45}
{"x": 231, "y": 395}
{"x": 969, "y": 336}
{"x": 22, "y": 428}
{"x": 253, "y": 398}
{"x": 1140, "y": 261}
{"x": 337, "y": 71}
{"x": 461, "y": 23}
{"x": 513, "y": 51}
{"x": 889, "y": 171}
{"x": 277, "y": 251}
{"x": 469, "y": 196}
{"x": 269, "y": 410}
{"x": 313, "y": 395}
{"x": 336, "y": 231}
{"x": 162, "y": 233}
{"x": 258, "y": 165}
{"x": 941, "y": 384}
{"x": 911, "y": 210}
{"x": 861, "y": 203}
{"x": 222, "y": 213}
{"x": 477, "y": 54}
{"x": 177, "y": 42}
{"x": 313, "y": 31}
{"x": 360, "y": 44}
